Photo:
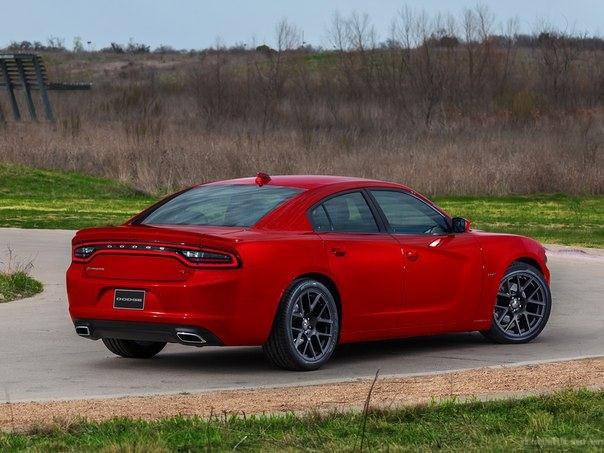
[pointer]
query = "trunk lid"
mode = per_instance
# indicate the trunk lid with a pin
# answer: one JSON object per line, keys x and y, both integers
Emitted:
{"x": 176, "y": 234}
{"x": 148, "y": 253}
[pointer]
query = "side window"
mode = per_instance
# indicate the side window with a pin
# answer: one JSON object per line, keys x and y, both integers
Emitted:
{"x": 319, "y": 219}
{"x": 409, "y": 215}
{"x": 345, "y": 213}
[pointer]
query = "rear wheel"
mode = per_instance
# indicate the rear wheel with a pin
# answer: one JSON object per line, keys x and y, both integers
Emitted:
{"x": 305, "y": 331}
{"x": 132, "y": 349}
{"x": 523, "y": 306}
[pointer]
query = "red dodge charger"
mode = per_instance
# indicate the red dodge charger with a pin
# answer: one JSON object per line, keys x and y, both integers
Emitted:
{"x": 299, "y": 264}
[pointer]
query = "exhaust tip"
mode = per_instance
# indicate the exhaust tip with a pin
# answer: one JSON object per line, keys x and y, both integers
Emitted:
{"x": 190, "y": 338}
{"x": 83, "y": 331}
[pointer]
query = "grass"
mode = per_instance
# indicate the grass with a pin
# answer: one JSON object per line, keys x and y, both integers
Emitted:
{"x": 17, "y": 285}
{"x": 568, "y": 421}
{"x": 15, "y": 281}
{"x": 553, "y": 219}
{"x": 32, "y": 198}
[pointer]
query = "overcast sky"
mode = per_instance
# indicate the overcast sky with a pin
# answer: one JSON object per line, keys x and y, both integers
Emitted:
{"x": 198, "y": 23}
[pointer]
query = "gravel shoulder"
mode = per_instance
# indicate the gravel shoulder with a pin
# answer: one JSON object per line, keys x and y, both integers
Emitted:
{"x": 482, "y": 383}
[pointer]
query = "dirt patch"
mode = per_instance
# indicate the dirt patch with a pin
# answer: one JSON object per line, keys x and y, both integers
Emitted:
{"x": 388, "y": 392}
{"x": 580, "y": 253}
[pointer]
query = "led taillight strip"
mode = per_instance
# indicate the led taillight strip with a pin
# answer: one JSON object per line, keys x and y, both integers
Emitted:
{"x": 194, "y": 256}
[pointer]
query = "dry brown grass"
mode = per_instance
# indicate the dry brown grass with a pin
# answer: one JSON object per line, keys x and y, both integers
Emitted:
{"x": 495, "y": 161}
{"x": 484, "y": 117}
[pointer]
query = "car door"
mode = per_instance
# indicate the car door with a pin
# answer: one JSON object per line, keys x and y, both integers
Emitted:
{"x": 365, "y": 262}
{"x": 443, "y": 272}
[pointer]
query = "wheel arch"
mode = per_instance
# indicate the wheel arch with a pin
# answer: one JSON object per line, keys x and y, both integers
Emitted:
{"x": 519, "y": 264}
{"x": 321, "y": 278}
{"x": 278, "y": 346}
{"x": 528, "y": 260}
{"x": 330, "y": 284}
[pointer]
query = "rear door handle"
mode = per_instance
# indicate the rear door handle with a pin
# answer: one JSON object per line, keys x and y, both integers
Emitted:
{"x": 338, "y": 252}
{"x": 412, "y": 256}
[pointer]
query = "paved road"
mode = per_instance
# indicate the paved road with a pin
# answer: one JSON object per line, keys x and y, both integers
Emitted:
{"x": 41, "y": 357}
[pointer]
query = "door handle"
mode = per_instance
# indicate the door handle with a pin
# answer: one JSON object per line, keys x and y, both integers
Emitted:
{"x": 412, "y": 255}
{"x": 338, "y": 252}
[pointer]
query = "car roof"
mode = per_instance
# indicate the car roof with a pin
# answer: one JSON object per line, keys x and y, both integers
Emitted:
{"x": 308, "y": 181}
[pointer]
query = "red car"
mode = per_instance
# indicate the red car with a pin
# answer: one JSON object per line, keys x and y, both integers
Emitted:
{"x": 299, "y": 264}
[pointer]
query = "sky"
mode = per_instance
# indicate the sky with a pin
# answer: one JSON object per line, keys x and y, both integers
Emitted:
{"x": 186, "y": 24}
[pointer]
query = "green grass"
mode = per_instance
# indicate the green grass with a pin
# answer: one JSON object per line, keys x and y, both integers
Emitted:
{"x": 32, "y": 198}
{"x": 565, "y": 421}
{"x": 553, "y": 219}
{"x": 17, "y": 285}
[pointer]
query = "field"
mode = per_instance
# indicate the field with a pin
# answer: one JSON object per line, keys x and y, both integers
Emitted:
{"x": 552, "y": 219}
{"x": 446, "y": 112}
{"x": 568, "y": 420}
{"x": 507, "y": 130}
{"x": 33, "y": 198}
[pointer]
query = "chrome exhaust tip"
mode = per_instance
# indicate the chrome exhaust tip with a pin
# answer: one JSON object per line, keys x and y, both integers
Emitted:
{"x": 190, "y": 338}
{"x": 83, "y": 331}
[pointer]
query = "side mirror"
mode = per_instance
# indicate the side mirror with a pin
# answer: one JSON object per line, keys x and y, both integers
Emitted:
{"x": 460, "y": 225}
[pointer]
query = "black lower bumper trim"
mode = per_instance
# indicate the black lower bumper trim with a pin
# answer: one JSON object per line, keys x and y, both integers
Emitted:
{"x": 141, "y": 331}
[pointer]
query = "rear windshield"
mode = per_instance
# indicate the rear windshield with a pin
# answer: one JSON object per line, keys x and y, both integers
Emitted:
{"x": 232, "y": 205}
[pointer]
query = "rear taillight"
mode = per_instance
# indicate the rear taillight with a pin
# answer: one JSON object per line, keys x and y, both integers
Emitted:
{"x": 192, "y": 256}
{"x": 208, "y": 257}
{"x": 83, "y": 252}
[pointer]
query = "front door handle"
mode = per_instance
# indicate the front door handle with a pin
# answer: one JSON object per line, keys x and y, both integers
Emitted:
{"x": 338, "y": 252}
{"x": 412, "y": 255}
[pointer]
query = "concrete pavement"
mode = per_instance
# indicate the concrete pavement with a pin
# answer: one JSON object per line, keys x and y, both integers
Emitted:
{"x": 41, "y": 358}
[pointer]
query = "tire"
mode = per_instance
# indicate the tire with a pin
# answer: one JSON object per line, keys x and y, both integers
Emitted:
{"x": 307, "y": 323}
{"x": 132, "y": 349}
{"x": 519, "y": 317}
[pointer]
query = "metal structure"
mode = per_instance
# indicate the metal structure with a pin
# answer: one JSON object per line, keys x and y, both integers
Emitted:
{"x": 27, "y": 72}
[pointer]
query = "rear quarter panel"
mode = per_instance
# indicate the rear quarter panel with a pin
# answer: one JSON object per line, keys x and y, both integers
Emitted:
{"x": 270, "y": 264}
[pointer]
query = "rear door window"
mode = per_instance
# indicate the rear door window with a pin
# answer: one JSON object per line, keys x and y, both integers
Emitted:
{"x": 319, "y": 219}
{"x": 348, "y": 213}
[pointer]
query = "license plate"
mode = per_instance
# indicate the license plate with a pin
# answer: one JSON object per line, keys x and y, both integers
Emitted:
{"x": 132, "y": 299}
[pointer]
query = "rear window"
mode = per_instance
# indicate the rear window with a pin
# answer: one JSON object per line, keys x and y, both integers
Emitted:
{"x": 232, "y": 205}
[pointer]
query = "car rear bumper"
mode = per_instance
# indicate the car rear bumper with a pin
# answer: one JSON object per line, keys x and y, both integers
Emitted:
{"x": 96, "y": 329}
{"x": 208, "y": 301}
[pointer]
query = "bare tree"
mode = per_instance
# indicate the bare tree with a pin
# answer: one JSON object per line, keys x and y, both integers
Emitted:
{"x": 509, "y": 34}
{"x": 557, "y": 57}
{"x": 477, "y": 28}
{"x": 289, "y": 36}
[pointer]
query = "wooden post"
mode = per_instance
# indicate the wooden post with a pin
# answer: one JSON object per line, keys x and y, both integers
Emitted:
{"x": 11, "y": 92}
{"x": 27, "y": 71}
{"x": 27, "y": 88}
{"x": 43, "y": 92}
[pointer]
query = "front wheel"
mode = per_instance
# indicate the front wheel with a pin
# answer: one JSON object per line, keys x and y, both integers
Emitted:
{"x": 523, "y": 306}
{"x": 306, "y": 328}
{"x": 134, "y": 349}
